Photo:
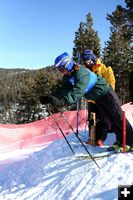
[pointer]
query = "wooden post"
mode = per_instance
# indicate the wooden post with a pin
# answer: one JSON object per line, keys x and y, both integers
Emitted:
{"x": 92, "y": 128}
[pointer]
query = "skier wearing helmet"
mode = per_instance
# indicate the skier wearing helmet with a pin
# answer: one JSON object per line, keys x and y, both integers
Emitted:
{"x": 79, "y": 81}
{"x": 95, "y": 65}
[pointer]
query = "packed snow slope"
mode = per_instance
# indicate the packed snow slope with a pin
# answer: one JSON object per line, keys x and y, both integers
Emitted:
{"x": 52, "y": 172}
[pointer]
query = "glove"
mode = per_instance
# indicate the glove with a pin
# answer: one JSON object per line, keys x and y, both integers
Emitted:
{"x": 56, "y": 102}
{"x": 44, "y": 99}
{"x": 52, "y": 100}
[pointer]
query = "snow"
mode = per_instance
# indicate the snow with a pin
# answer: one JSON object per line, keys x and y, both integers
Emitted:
{"x": 53, "y": 173}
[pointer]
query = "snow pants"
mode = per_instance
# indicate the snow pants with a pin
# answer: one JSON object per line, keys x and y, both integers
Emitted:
{"x": 109, "y": 107}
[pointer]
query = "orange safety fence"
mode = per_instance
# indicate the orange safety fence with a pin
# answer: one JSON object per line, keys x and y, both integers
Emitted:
{"x": 41, "y": 132}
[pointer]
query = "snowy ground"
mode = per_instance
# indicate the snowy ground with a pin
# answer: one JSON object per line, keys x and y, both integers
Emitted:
{"x": 53, "y": 173}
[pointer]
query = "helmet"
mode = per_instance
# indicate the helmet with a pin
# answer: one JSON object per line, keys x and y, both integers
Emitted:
{"x": 88, "y": 55}
{"x": 64, "y": 61}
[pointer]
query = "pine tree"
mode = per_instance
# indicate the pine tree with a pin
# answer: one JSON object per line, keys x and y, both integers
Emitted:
{"x": 28, "y": 103}
{"x": 86, "y": 37}
{"x": 130, "y": 12}
{"x": 117, "y": 51}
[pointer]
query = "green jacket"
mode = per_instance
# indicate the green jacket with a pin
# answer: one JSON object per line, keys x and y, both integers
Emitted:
{"x": 71, "y": 93}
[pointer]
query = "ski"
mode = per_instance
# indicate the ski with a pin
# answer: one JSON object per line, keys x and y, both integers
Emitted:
{"x": 86, "y": 157}
{"x": 100, "y": 155}
{"x": 97, "y": 157}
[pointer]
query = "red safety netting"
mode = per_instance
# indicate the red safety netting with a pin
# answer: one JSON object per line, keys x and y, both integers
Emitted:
{"x": 44, "y": 131}
{"x": 40, "y": 132}
{"x": 128, "y": 108}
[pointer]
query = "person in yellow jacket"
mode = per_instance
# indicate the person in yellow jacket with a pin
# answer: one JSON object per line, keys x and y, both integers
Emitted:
{"x": 94, "y": 64}
{"x": 106, "y": 72}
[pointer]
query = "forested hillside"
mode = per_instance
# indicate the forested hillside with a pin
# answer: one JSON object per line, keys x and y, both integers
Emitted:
{"x": 20, "y": 90}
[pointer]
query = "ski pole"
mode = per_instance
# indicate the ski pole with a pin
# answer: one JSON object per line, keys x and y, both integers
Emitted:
{"x": 86, "y": 108}
{"x": 77, "y": 116}
{"x": 60, "y": 129}
{"x": 124, "y": 132}
{"x": 80, "y": 140}
{"x": 77, "y": 113}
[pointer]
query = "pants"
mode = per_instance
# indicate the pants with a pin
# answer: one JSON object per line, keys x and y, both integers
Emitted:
{"x": 109, "y": 107}
{"x": 102, "y": 124}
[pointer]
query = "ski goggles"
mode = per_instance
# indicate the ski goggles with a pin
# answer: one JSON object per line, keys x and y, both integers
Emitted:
{"x": 62, "y": 69}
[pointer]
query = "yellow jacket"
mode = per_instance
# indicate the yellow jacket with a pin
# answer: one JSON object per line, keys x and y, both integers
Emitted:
{"x": 105, "y": 72}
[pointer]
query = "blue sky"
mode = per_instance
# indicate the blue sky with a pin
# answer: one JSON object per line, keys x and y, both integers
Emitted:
{"x": 34, "y": 32}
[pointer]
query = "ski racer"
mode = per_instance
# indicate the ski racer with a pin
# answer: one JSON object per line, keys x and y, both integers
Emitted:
{"x": 79, "y": 81}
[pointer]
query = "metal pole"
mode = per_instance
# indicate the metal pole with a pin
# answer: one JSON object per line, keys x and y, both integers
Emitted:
{"x": 78, "y": 58}
{"x": 124, "y": 132}
{"x": 60, "y": 130}
{"x": 77, "y": 118}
